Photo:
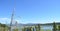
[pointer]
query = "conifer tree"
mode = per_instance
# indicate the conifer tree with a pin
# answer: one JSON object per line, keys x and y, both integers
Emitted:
{"x": 39, "y": 27}
{"x": 54, "y": 26}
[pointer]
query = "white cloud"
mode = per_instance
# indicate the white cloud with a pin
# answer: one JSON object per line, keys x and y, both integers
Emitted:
{"x": 8, "y": 20}
{"x": 4, "y": 20}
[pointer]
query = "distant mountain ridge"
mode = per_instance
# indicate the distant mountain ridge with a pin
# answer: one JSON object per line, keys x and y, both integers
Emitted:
{"x": 31, "y": 24}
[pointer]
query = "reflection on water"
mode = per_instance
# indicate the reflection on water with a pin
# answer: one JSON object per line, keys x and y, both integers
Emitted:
{"x": 45, "y": 28}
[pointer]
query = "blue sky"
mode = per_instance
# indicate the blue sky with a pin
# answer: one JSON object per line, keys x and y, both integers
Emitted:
{"x": 30, "y": 11}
